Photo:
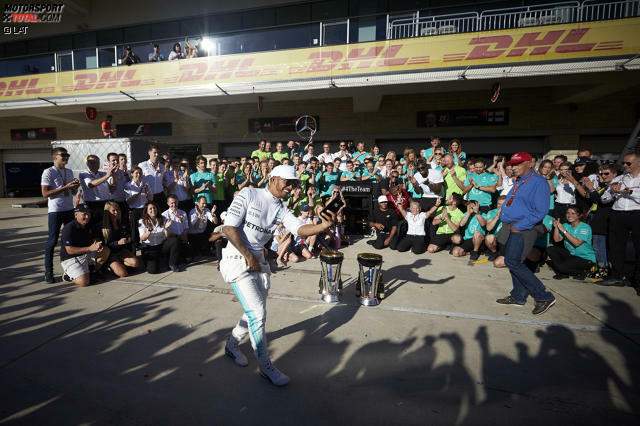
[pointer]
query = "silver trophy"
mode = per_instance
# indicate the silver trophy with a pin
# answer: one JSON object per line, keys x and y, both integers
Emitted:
{"x": 306, "y": 127}
{"x": 330, "y": 278}
{"x": 370, "y": 287}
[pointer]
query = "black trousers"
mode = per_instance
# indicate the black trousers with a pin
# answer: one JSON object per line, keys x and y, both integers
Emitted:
{"x": 416, "y": 243}
{"x": 200, "y": 243}
{"x": 134, "y": 216}
{"x": 219, "y": 245}
{"x": 620, "y": 225}
{"x": 379, "y": 242}
{"x": 565, "y": 263}
{"x": 155, "y": 257}
{"x": 97, "y": 215}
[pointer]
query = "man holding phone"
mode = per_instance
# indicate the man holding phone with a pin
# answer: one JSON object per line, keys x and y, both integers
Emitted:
{"x": 251, "y": 221}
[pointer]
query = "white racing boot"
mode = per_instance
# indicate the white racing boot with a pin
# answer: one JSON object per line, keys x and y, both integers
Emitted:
{"x": 271, "y": 373}
{"x": 232, "y": 350}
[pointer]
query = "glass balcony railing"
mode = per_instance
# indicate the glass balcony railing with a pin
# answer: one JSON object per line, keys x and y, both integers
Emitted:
{"x": 351, "y": 30}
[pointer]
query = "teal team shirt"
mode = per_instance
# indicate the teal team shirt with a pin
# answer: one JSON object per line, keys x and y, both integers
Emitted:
{"x": 459, "y": 159}
{"x": 472, "y": 227}
{"x": 330, "y": 179}
{"x": 491, "y": 214}
{"x": 198, "y": 179}
{"x": 582, "y": 232}
{"x": 412, "y": 191}
{"x": 367, "y": 175}
{"x": 543, "y": 241}
{"x": 351, "y": 176}
{"x": 486, "y": 179}
{"x": 428, "y": 151}
{"x": 360, "y": 156}
{"x": 554, "y": 181}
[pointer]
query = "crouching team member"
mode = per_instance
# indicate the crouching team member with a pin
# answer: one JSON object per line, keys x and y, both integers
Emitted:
{"x": 251, "y": 220}
{"x": 78, "y": 246}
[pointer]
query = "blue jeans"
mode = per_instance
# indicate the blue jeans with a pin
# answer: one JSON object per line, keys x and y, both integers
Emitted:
{"x": 56, "y": 220}
{"x": 524, "y": 281}
{"x": 600, "y": 247}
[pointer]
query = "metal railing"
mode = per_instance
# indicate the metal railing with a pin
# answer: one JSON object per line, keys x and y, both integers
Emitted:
{"x": 414, "y": 25}
{"x": 594, "y": 10}
{"x": 529, "y": 16}
{"x": 417, "y": 25}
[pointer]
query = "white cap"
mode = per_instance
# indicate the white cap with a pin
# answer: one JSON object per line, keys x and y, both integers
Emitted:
{"x": 223, "y": 215}
{"x": 284, "y": 171}
{"x": 383, "y": 199}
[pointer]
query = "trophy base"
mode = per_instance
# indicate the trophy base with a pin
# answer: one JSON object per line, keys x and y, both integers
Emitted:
{"x": 368, "y": 301}
{"x": 329, "y": 298}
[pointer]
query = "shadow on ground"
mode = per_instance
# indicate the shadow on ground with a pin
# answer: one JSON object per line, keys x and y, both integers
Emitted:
{"x": 87, "y": 371}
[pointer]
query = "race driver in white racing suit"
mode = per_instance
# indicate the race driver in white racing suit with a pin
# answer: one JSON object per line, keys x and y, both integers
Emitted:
{"x": 251, "y": 220}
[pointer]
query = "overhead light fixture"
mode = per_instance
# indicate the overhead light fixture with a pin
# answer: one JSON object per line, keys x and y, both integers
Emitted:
{"x": 208, "y": 45}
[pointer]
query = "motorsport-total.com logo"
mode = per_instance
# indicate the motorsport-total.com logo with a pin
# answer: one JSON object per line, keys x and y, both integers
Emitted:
{"x": 21, "y": 13}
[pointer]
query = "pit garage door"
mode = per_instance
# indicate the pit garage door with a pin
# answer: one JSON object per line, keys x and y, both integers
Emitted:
{"x": 22, "y": 170}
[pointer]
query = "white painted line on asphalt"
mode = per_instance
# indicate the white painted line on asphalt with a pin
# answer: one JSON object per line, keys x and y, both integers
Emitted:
{"x": 584, "y": 327}
{"x": 384, "y": 307}
{"x": 181, "y": 287}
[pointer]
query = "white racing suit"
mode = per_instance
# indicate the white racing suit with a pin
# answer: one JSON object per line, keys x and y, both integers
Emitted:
{"x": 256, "y": 213}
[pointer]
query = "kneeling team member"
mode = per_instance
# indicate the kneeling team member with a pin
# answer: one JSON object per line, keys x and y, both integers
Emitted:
{"x": 250, "y": 223}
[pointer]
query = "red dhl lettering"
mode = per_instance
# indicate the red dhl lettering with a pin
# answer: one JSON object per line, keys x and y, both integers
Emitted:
{"x": 536, "y": 43}
{"x": 20, "y": 87}
{"x": 108, "y": 79}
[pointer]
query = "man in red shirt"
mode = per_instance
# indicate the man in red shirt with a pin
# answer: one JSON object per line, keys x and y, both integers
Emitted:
{"x": 107, "y": 132}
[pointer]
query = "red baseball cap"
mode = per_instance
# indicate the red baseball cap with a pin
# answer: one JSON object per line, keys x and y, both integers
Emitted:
{"x": 519, "y": 157}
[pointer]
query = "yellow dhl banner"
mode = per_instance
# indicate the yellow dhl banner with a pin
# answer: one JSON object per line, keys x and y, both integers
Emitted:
{"x": 515, "y": 46}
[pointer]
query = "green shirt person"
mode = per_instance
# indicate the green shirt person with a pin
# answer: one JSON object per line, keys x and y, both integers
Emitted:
{"x": 261, "y": 152}
{"x": 454, "y": 176}
{"x": 280, "y": 153}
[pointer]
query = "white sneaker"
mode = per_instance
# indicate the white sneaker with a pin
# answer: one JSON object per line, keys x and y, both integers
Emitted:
{"x": 275, "y": 376}
{"x": 232, "y": 350}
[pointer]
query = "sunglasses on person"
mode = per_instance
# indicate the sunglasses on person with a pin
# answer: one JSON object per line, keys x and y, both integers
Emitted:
{"x": 184, "y": 164}
{"x": 605, "y": 173}
{"x": 627, "y": 163}
{"x": 64, "y": 155}
{"x": 294, "y": 183}
{"x": 342, "y": 146}
{"x": 438, "y": 153}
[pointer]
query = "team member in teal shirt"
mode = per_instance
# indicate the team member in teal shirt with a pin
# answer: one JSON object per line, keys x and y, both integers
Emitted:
{"x": 577, "y": 256}
{"x": 474, "y": 233}
{"x": 370, "y": 173}
{"x": 328, "y": 179}
{"x": 203, "y": 182}
{"x": 480, "y": 186}
{"x": 360, "y": 154}
{"x": 350, "y": 175}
